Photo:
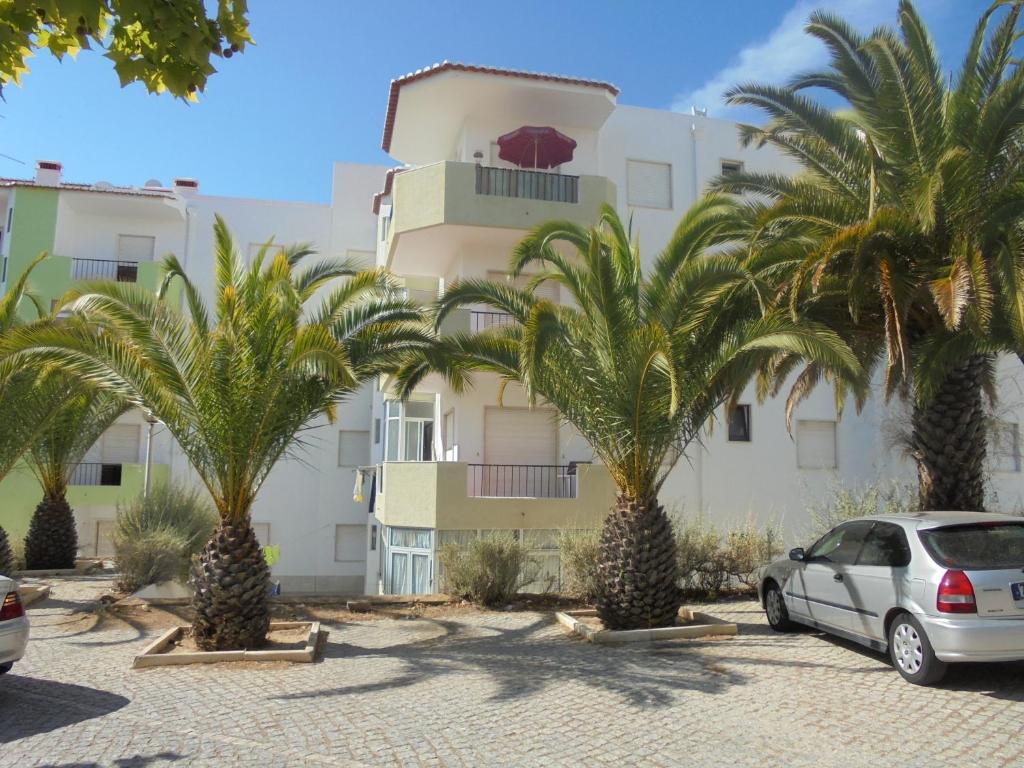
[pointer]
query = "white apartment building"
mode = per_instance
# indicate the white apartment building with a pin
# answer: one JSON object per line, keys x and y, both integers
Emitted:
{"x": 443, "y": 467}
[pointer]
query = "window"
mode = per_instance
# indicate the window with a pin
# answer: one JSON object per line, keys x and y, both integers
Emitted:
{"x": 120, "y": 444}
{"x": 410, "y": 431}
{"x": 373, "y": 538}
{"x": 729, "y": 167}
{"x": 135, "y": 247}
{"x": 10, "y": 215}
{"x": 376, "y": 431}
{"x": 353, "y": 447}
{"x": 546, "y": 290}
{"x": 349, "y": 543}
{"x": 886, "y": 545}
{"x": 448, "y": 435}
{"x": 272, "y": 251}
{"x": 1004, "y": 446}
{"x": 262, "y": 531}
{"x": 841, "y": 545}
{"x": 361, "y": 259}
{"x": 816, "y": 444}
{"x": 649, "y": 185}
{"x": 739, "y": 424}
{"x": 975, "y": 547}
{"x": 3, "y": 277}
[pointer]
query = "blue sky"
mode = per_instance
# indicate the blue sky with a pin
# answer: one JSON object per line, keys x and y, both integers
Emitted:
{"x": 314, "y": 88}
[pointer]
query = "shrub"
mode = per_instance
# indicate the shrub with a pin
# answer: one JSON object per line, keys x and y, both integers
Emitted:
{"x": 580, "y": 552}
{"x": 6, "y": 554}
{"x": 150, "y": 558}
{"x": 156, "y": 536}
{"x": 489, "y": 570}
{"x": 701, "y": 566}
{"x": 845, "y": 503}
{"x": 747, "y": 548}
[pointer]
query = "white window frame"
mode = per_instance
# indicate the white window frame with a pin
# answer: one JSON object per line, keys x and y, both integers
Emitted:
{"x": 728, "y": 161}
{"x": 365, "y": 433}
{"x": 835, "y": 445}
{"x": 403, "y": 419}
{"x": 348, "y": 528}
{"x": 671, "y": 184}
{"x": 150, "y": 238}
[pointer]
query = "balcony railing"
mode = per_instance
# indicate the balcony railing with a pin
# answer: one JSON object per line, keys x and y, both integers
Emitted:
{"x": 95, "y": 473}
{"x": 533, "y": 185}
{"x": 481, "y": 321}
{"x": 105, "y": 269}
{"x": 536, "y": 481}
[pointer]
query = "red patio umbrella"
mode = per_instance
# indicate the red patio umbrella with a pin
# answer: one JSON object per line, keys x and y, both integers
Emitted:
{"x": 535, "y": 147}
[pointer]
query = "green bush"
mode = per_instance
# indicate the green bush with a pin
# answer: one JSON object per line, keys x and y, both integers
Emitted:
{"x": 702, "y": 569}
{"x": 711, "y": 560}
{"x": 489, "y": 570}
{"x": 844, "y": 503}
{"x": 579, "y": 552}
{"x": 155, "y": 537}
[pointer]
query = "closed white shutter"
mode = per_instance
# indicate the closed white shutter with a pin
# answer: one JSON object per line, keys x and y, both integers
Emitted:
{"x": 353, "y": 448}
{"x": 349, "y": 543}
{"x": 546, "y": 290}
{"x": 121, "y": 444}
{"x": 649, "y": 185}
{"x": 816, "y": 444}
{"x": 520, "y": 436}
{"x": 135, "y": 247}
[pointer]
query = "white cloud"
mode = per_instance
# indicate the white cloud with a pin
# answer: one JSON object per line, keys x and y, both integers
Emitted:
{"x": 786, "y": 51}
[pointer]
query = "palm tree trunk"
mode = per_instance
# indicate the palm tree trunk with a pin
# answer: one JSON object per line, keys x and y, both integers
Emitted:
{"x": 6, "y": 556}
{"x": 230, "y": 583}
{"x": 949, "y": 442}
{"x": 52, "y": 540}
{"x": 637, "y": 575}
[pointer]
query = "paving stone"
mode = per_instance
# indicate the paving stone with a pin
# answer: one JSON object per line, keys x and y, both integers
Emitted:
{"x": 494, "y": 689}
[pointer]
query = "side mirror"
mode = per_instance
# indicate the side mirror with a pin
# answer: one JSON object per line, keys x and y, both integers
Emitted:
{"x": 797, "y": 554}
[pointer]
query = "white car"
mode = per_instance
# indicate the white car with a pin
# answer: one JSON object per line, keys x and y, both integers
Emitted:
{"x": 13, "y": 625}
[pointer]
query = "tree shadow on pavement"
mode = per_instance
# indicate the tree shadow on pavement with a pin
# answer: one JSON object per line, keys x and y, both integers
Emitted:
{"x": 525, "y": 660}
{"x": 136, "y": 761}
{"x": 30, "y": 706}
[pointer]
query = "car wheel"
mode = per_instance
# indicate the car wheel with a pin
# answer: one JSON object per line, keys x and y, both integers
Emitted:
{"x": 775, "y": 609}
{"x": 5, "y": 668}
{"x": 911, "y": 652}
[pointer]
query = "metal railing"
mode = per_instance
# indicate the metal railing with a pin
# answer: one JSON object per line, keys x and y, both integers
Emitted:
{"x": 481, "y": 321}
{"x": 538, "y": 481}
{"x": 105, "y": 269}
{"x": 95, "y": 473}
{"x": 533, "y": 185}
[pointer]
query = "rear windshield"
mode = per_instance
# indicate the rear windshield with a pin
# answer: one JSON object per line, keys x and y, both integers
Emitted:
{"x": 976, "y": 547}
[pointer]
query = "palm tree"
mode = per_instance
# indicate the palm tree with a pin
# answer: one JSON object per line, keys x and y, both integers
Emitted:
{"x": 636, "y": 363}
{"x": 905, "y": 227}
{"x": 283, "y": 347}
{"x": 19, "y": 421}
{"x": 82, "y": 416}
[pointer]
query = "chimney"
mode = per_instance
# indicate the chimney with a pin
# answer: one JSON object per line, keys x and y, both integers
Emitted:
{"x": 48, "y": 173}
{"x": 186, "y": 186}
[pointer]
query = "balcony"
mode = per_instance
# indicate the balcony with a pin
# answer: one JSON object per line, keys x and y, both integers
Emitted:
{"x": 439, "y": 209}
{"x": 95, "y": 473}
{"x": 105, "y": 269}
{"x": 458, "y": 496}
{"x": 532, "y": 185}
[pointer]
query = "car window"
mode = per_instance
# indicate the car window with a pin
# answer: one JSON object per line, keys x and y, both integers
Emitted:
{"x": 976, "y": 547}
{"x": 886, "y": 544}
{"x": 841, "y": 545}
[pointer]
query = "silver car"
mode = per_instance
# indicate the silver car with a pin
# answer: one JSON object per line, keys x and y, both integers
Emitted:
{"x": 13, "y": 625}
{"x": 928, "y": 588}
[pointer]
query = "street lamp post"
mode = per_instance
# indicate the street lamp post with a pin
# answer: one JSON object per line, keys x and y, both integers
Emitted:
{"x": 152, "y": 421}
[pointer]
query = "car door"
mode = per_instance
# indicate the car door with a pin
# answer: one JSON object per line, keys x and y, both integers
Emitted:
{"x": 817, "y": 590}
{"x": 879, "y": 578}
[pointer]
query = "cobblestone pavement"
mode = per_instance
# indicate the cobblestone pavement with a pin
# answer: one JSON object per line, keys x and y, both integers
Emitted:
{"x": 495, "y": 689}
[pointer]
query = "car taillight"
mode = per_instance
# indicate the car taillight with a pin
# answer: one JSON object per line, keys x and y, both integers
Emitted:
{"x": 12, "y": 607}
{"x": 956, "y": 594}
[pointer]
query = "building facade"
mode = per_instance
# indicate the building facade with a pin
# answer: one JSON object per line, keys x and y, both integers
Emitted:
{"x": 443, "y": 466}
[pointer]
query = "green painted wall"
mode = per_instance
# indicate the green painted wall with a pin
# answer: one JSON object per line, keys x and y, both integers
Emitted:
{"x": 20, "y": 492}
{"x": 33, "y": 227}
